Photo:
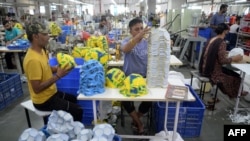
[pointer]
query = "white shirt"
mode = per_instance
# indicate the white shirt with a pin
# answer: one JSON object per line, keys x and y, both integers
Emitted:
{"x": 233, "y": 28}
{"x": 87, "y": 17}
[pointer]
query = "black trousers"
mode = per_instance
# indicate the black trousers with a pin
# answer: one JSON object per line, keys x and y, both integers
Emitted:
{"x": 8, "y": 59}
{"x": 62, "y": 101}
{"x": 143, "y": 107}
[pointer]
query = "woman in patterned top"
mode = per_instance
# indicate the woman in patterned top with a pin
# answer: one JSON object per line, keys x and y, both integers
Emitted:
{"x": 214, "y": 56}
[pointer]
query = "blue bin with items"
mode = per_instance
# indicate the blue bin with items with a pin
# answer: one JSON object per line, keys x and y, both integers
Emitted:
{"x": 62, "y": 37}
{"x": 19, "y": 44}
{"x": 10, "y": 88}
{"x": 206, "y": 33}
{"x": 66, "y": 27}
{"x": 70, "y": 82}
{"x": 190, "y": 116}
{"x": 87, "y": 117}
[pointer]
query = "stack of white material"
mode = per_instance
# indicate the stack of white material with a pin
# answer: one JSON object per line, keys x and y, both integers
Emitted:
{"x": 159, "y": 52}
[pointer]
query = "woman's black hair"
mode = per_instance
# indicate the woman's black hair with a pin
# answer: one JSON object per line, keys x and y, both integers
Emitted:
{"x": 221, "y": 28}
{"x": 5, "y": 22}
{"x": 223, "y": 6}
{"x": 134, "y": 22}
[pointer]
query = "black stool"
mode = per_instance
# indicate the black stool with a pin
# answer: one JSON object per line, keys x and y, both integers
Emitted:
{"x": 203, "y": 81}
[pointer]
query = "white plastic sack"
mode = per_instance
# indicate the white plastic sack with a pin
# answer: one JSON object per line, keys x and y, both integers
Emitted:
{"x": 195, "y": 83}
{"x": 176, "y": 75}
{"x": 236, "y": 51}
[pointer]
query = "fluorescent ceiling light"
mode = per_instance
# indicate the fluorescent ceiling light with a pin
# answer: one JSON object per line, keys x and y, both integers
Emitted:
{"x": 114, "y": 2}
{"x": 76, "y": 1}
{"x": 5, "y": 3}
{"x": 56, "y": 4}
{"x": 239, "y": 1}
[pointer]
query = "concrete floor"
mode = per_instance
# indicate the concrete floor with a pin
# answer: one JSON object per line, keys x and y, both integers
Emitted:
{"x": 13, "y": 121}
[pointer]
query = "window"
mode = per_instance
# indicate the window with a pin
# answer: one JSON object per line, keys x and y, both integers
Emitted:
{"x": 42, "y": 9}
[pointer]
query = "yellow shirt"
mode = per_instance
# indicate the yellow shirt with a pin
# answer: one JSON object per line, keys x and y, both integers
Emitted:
{"x": 55, "y": 30}
{"x": 19, "y": 26}
{"x": 36, "y": 67}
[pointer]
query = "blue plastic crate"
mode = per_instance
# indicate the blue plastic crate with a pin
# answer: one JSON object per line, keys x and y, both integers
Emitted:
{"x": 53, "y": 61}
{"x": 2, "y": 104}
{"x": 190, "y": 117}
{"x": 69, "y": 83}
{"x": 112, "y": 36}
{"x": 88, "y": 116}
{"x": 10, "y": 87}
{"x": 18, "y": 47}
{"x": 117, "y": 138}
{"x": 203, "y": 32}
{"x": 66, "y": 27}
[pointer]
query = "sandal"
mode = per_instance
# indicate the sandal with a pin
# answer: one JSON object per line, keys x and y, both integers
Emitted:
{"x": 210, "y": 107}
{"x": 134, "y": 126}
{"x": 211, "y": 101}
{"x": 244, "y": 93}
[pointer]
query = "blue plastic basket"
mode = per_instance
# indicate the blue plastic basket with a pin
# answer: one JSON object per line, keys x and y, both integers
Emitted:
{"x": 190, "y": 117}
{"x": 69, "y": 83}
{"x": 18, "y": 47}
{"x": 112, "y": 36}
{"x": 88, "y": 116}
{"x": 66, "y": 27}
{"x": 10, "y": 88}
{"x": 117, "y": 138}
{"x": 2, "y": 104}
{"x": 53, "y": 61}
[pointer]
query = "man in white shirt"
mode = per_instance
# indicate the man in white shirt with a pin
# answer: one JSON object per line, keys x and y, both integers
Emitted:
{"x": 235, "y": 27}
{"x": 232, "y": 35}
{"x": 87, "y": 17}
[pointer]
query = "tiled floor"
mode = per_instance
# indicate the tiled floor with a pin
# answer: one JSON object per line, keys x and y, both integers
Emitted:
{"x": 13, "y": 121}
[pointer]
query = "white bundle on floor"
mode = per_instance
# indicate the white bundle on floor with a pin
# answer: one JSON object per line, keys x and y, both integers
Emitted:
{"x": 32, "y": 134}
{"x": 62, "y": 122}
{"x": 159, "y": 53}
{"x": 104, "y": 108}
{"x": 61, "y": 127}
{"x": 102, "y": 131}
{"x": 85, "y": 135}
{"x": 58, "y": 137}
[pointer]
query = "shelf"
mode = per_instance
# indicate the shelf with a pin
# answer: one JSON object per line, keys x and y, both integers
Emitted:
{"x": 244, "y": 47}
{"x": 246, "y": 19}
{"x": 244, "y": 33}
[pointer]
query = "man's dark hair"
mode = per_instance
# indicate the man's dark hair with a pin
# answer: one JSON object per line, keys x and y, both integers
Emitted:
{"x": 134, "y": 22}
{"x": 238, "y": 18}
{"x": 223, "y": 6}
{"x": 221, "y": 28}
{"x": 5, "y": 22}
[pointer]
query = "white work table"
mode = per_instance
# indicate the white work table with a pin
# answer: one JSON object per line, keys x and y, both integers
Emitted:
{"x": 244, "y": 69}
{"x": 154, "y": 94}
{"x": 2, "y": 33}
{"x": 174, "y": 61}
{"x": 4, "y": 49}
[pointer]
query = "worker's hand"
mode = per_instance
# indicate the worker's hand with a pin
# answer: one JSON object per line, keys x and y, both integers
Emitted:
{"x": 143, "y": 33}
{"x": 63, "y": 71}
{"x": 237, "y": 58}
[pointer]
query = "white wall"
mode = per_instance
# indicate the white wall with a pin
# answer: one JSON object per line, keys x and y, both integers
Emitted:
{"x": 175, "y": 4}
{"x": 106, "y": 4}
